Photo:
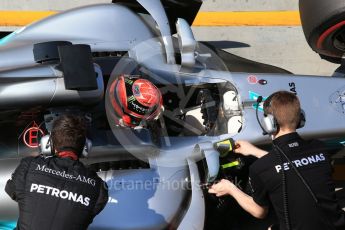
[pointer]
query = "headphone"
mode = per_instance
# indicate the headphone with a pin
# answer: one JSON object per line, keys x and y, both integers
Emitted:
{"x": 47, "y": 147}
{"x": 269, "y": 122}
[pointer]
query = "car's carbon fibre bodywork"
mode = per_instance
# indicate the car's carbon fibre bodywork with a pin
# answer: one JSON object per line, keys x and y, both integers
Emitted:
{"x": 141, "y": 166}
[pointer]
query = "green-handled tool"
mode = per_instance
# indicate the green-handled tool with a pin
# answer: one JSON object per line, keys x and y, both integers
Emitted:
{"x": 225, "y": 146}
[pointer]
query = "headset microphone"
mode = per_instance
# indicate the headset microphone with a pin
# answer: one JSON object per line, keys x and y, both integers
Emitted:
{"x": 258, "y": 101}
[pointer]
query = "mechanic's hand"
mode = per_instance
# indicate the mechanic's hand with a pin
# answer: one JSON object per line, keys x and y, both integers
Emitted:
{"x": 224, "y": 187}
{"x": 246, "y": 149}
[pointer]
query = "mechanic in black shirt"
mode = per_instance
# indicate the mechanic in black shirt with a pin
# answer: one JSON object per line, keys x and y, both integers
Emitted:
{"x": 58, "y": 191}
{"x": 298, "y": 207}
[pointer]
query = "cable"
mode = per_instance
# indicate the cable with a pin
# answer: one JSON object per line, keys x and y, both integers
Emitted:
{"x": 258, "y": 101}
{"x": 298, "y": 174}
{"x": 284, "y": 184}
{"x": 284, "y": 190}
{"x": 279, "y": 151}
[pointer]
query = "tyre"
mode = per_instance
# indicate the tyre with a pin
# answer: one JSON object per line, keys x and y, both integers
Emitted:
{"x": 323, "y": 24}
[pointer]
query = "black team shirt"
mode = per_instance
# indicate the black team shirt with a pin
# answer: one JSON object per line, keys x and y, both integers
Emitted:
{"x": 312, "y": 161}
{"x": 56, "y": 193}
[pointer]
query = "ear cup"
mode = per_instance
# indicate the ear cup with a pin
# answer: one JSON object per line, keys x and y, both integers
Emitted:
{"x": 302, "y": 120}
{"x": 269, "y": 123}
{"x": 87, "y": 148}
{"x": 52, "y": 148}
{"x": 46, "y": 145}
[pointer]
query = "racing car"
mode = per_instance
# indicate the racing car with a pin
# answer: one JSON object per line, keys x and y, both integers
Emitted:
{"x": 155, "y": 174}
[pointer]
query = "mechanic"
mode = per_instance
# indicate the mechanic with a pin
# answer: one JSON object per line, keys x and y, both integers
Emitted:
{"x": 58, "y": 191}
{"x": 308, "y": 205}
{"x": 134, "y": 101}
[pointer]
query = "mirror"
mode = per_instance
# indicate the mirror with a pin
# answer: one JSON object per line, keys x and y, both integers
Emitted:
{"x": 187, "y": 43}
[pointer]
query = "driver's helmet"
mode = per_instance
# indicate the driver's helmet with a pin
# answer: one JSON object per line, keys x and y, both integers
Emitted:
{"x": 134, "y": 100}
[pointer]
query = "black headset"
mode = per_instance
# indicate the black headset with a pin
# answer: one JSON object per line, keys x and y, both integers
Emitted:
{"x": 47, "y": 147}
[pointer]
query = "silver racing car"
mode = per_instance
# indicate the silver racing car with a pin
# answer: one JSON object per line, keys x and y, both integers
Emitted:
{"x": 156, "y": 174}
